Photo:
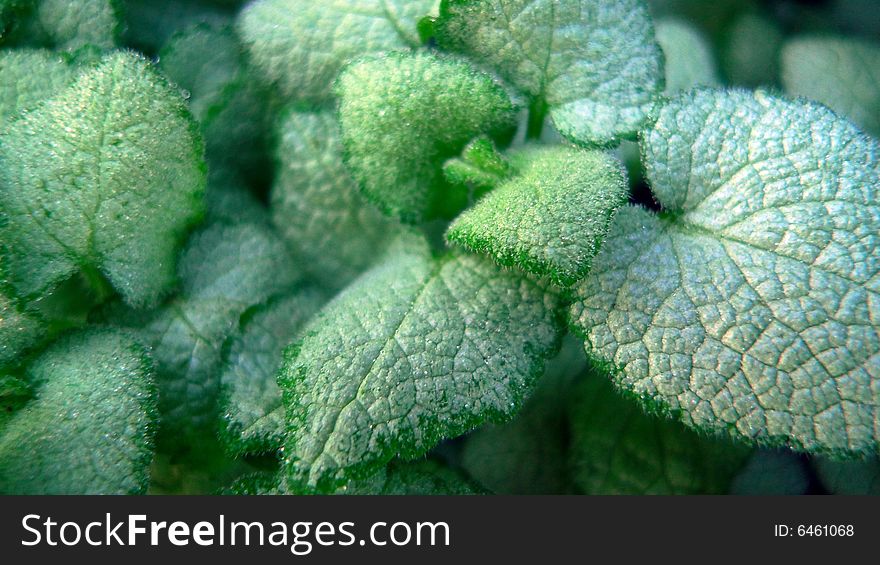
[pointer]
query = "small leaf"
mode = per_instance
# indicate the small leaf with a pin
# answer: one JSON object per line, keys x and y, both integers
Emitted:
{"x": 551, "y": 218}
{"x": 316, "y": 205}
{"x": 595, "y": 65}
{"x": 414, "y": 351}
{"x": 90, "y": 428}
{"x": 70, "y": 24}
{"x": 253, "y": 412}
{"x": 618, "y": 449}
{"x": 843, "y": 74}
{"x": 29, "y": 76}
{"x": 300, "y": 45}
{"x": 751, "y": 304}
{"x": 124, "y": 183}
{"x": 403, "y": 115}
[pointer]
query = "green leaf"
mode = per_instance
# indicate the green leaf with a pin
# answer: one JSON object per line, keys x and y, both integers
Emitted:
{"x": 20, "y": 329}
{"x": 594, "y": 65}
{"x": 403, "y": 115}
{"x": 689, "y": 59}
{"x": 316, "y": 206}
{"x": 751, "y": 305}
{"x": 89, "y": 431}
{"x": 300, "y": 45}
{"x": 552, "y": 217}
{"x": 224, "y": 270}
{"x": 856, "y": 477}
{"x": 14, "y": 393}
{"x": 843, "y": 74}
{"x": 616, "y": 448}
{"x": 124, "y": 183}
{"x": 529, "y": 455}
{"x": 29, "y": 76}
{"x": 150, "y": 23}
{"x": 414, "y": 351}
{"x": 70, "y": 24}
{"x": 253, "y": 414}
{"x": 411, "y": 478}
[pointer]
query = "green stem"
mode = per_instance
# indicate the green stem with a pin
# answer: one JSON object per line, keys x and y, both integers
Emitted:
{"x": 537, "y": 115}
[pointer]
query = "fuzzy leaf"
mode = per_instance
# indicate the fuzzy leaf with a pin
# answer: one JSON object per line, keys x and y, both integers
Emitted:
{"x": 20, "y": 329}
{"x": 300, "y": 45}
{"x": 595, "y": 65}
{"x": 89, "y": 431}
{"x": 317, "y": 207}
{"x": 751, "y": 306}
{"x": 414, "y": 351}
{"x": 29, "y": 76}
{"x": 124, "y": 183}
{"x": 843, "y": 74}
{"x": 552, "y": 217}
{"x": 403, "y": 115}
{"x": 70, "y": 24}
{"x": 253, "y": 412}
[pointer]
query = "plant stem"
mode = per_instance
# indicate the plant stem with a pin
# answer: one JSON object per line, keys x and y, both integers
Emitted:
{"x": 537, "y": 115}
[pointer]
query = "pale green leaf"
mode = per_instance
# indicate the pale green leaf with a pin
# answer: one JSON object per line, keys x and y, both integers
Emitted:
{"x": 316, "y": 206}
{"x": 414, "y": 351}
{"x": 594, "y": 65}
{"x": 89, "y": 430}
{"x": 253, "y": 414}
{"x": 551, "y": 217}
{"x": 300, "y": 45}
{"x": 20, "y": 329}
{"x": 616, "y": 448}
{"x": 751, "y": 305}
{"x": 842, "y": 73}
{"x": 689, "y": 58}
{"x": 70, "y": 24}
{"x": 402, "y": 115}
{"x": 29, "y": 76}
{"x": 123, "y": 184}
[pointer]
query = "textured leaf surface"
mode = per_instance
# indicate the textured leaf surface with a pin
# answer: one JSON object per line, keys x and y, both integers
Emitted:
{"x": 689, "y": 58}
{"x": 253, "y": 412}
{"x": 70, "y": 24}
{"x": 751, "y": 305}
{"x": 19, "y": 329}
{"x": 89, "y": 431}
{"x": 416, "y": 350}
{"x": 551, "y": 218}
{"x": 300, "y": 45}
{"x": 124, "y": 183}
{"x": 596, "y": 65}
{"x": 316, "y": 205}
{"x": 224, "y": 270}
{"x": 616, "y": 448}
{"x": 403, "y": 115}
{"x": 28, "y": 76}
{"x": 843, "y": 74}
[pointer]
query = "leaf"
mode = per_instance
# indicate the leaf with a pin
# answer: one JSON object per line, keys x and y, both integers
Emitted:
{"x": 594, "y": 65}
{"x": 14, "y": 393}
{"x": 70, "y": 24}
{"x": 150, "y": 23}
{"x": 855, "y": 477}
{"x": 20, "y": 329}
{"x": 316, "y": 205}
{"x": 688, "y": 56}
{"x": 29, "y": 76}
{"x": 843, "y": 74}
{"x": 750, "y": 305}
{"x": 552, "y": 217}
{"x": 224, "y": 270}
{"x": 124, "y": 184}
{"x": 414, "y": 351}
{"x": 300, "y": 45}
{"x": 89, "y": 431}
{"x": 253, "y": 413}
{"x": 403, "y": 115}
{"x": 421, "y": 478}
{"x": 616, "y": 448}
{"x": 529, "y": 455}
